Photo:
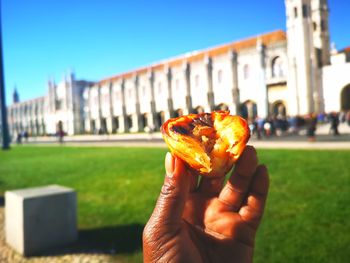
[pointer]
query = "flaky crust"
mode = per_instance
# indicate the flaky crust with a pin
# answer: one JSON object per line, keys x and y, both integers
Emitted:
{"x": 208, "y": 142}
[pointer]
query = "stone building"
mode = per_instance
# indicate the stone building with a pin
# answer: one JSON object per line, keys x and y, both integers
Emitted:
{"x": 40, "y": 116}
{"x": 277, "y": 73}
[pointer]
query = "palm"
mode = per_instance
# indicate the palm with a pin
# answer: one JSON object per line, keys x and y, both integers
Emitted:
{"x": 214, "y": 231}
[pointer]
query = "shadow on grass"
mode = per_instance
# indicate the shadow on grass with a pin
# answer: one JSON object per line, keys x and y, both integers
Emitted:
{"x": 121, "y": 239}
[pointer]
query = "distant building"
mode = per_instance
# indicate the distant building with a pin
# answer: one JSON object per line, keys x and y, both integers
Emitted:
{"x": 40, "y": 116}
{"x": 278, "y": 73}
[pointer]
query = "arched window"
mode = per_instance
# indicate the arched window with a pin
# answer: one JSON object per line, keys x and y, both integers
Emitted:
{"x": 220, "y": 76}
{"x": 246, "y": 71}
{"x": 277, "y": 67}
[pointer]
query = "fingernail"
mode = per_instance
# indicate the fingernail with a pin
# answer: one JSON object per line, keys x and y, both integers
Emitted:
{"x": 169, "y": 164}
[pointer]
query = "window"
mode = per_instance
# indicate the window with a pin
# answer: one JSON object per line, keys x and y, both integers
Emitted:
{"x": 314, "y": 25}
{"x": 295, "y": 12}
{"x": 159, "y": 88}
{"x": 246, "y": 71}
{"x": 277, "y": 67}
{"x": 305, "y": 11}
{"x": 220, "y": 76}
{"x": 59, "y": 104}
{"x": 196, "y": 81}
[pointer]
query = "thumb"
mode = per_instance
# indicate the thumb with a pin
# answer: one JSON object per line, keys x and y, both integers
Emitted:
{"x": 171, "y": 201}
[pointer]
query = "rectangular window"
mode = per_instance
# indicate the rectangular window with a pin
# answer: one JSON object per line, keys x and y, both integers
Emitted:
{"x": 305, "y": 11}
{"x": 295, "y": 12}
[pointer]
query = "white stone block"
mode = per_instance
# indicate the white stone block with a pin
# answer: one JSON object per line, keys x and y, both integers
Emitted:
{"x": 41, "y": 218}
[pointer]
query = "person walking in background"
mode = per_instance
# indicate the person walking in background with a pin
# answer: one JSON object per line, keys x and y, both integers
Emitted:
{"x": 26, "y": 136}
{"x": 334, "y": 120}
{"x": 60, "y": 132}
{"x": 311, "y": 124}
{"x": 19, "y": 138}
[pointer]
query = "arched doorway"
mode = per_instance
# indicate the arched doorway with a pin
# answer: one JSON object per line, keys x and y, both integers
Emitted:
{"x": 103, "y": 126}
{"x": 143, "y": 121}
{"x": 222, "y": 106}
{"x": 178, "y": 113}
{"x": 249, "y": 110}
{"x": 345, "y": 98}
{"x": 160, "y": 119}
{"x": 128, "y": 122}
{"x": 279, "y": 109}
{"x": 115, "y": 124}
{"x": 198, "y": 110}
{"x": 93, "y": 126}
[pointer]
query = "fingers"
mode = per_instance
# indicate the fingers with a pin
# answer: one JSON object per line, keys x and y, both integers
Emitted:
{"x": 253, "y": 211}
{"x": 171, "y": 201}
{"x": 193, "y": 180}
{"x": 235, "y": 191}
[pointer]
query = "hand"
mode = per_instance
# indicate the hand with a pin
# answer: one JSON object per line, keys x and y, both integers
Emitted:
{"x": 208, "y": 223}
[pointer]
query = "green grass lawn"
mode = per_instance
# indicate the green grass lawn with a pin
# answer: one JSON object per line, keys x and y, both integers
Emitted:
{"x": 307, "y": 216}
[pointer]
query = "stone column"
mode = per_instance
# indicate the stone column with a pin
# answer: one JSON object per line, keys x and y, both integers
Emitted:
{"x": 89, "y": 115}
{"x": 262, "y": 102}
{"x": 187, "y": 73}
{"x": 292, "y": 88}
{"x": 123, "y": 119}
{"x": 140, "y": 127}
{"x": 210, "y": 94}
{"x": 99, "y": 116}
{"x": 153, "y": 103}
{"x": 170, "y": 92}
{"x": 110, "y": 122}
{"x": 235, "y": 89}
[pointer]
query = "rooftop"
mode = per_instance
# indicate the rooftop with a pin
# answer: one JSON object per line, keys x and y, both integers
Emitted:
{"x": 266, "y": 39}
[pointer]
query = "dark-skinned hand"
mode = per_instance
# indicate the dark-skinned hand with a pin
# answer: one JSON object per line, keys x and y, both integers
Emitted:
{"x": 209, "y": 221}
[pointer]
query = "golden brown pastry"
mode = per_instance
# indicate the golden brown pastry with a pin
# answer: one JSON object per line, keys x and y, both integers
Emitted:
{"x": 208, "y": 142}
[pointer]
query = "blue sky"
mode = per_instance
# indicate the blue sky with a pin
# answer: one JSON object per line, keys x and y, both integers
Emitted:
{"x": 97, "y": 39}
